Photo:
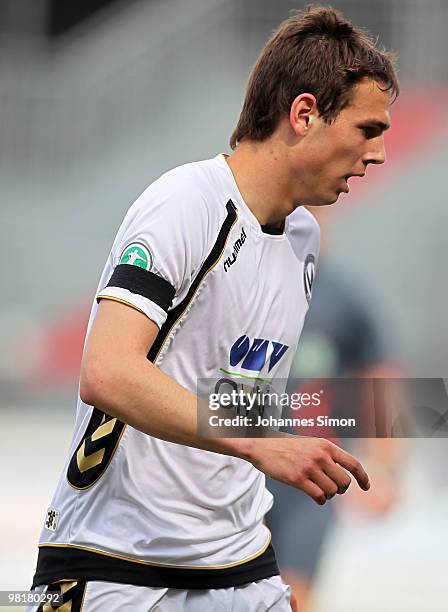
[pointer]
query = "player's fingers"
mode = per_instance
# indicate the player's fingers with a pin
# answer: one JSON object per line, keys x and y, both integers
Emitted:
{"x": 325, "y": 483}
{"x": 314, "y": 491}
{"x": 339, "y": 476}
{"x": 351, "y": 464}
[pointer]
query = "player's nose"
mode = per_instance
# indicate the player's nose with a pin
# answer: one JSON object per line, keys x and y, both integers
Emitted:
{"x": 376, "y": 153}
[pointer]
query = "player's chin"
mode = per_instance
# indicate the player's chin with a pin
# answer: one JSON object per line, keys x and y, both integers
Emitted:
{"x": 334, "y": 197}
{"x": 328, "y": 199}
{"x": 324, "y": 199}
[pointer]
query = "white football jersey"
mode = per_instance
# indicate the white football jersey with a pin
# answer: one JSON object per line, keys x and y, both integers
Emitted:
{"x": 230, "y": 299}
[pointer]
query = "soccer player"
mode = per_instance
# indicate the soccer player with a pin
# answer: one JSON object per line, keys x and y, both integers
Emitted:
{"x": 210, "y": 276}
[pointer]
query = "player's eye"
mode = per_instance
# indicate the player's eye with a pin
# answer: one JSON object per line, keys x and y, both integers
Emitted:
{"x": 370, "y": 132}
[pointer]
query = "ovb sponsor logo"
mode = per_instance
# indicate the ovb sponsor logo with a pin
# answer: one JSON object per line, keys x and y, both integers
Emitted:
{"x": 256, "y": 354}
{"x": 137, "y": 254}
{"x": 250, "y": 362}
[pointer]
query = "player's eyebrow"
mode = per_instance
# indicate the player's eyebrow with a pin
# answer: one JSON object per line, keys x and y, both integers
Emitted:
{"x": 376, "y": 123}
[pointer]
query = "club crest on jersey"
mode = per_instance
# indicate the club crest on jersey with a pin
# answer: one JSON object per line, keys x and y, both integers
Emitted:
{"x": 309, "y": 270}
{"x": 236, "y": 249}
{"x": 137, "y": 254}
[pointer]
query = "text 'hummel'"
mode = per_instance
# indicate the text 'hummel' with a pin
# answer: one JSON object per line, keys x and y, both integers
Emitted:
{"x": 236, "y": 248}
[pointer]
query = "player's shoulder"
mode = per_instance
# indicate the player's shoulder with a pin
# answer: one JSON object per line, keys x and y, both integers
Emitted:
{"x": 303, "y": 229}
{"x": 301, "y": 218}
{"x": 189, "y": 191}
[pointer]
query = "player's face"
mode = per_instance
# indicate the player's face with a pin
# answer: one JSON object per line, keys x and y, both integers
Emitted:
{"x": 345, "y": 148}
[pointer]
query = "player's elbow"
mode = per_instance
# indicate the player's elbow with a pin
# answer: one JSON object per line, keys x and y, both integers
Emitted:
{"x": 106, "y": 385}
{"x": 94, "y": 383}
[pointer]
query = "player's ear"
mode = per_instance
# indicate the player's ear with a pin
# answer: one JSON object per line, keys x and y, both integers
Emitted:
{"x": 302, "y": 113}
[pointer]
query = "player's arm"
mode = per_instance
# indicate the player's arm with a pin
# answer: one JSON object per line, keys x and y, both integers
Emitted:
{"x": 117, "y": 377}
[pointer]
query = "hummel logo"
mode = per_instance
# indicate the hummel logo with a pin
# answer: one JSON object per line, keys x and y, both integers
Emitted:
{"x": 236, "y": 248}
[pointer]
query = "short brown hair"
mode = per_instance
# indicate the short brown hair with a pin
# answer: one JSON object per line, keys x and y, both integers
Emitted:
{"x": 315, "y": 51}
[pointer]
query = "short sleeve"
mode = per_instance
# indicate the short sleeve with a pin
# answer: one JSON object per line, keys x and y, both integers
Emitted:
{"x": 159, "y": 247}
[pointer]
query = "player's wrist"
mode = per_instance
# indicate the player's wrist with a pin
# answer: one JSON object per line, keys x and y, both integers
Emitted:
{"x": 243, "y": 448}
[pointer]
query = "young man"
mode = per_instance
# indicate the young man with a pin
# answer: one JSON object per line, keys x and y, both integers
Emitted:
{"x": 210, "y": 272}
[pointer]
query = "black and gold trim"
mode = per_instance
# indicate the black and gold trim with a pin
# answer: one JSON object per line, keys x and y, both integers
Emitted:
{"x": 212, "y": 259}
{"x": 144, "y": 283}
{"x": 57, "y": 561}
{"x": 73, "y": 593}
{"x": 120, "y": 301}
{"x": 95, "y": 450}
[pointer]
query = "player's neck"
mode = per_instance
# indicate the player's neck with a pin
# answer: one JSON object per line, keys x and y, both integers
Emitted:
{"x": 261, "y": 175}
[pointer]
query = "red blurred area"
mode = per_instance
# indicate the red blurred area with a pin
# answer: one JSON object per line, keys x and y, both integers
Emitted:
{"x": 61, "y": 349}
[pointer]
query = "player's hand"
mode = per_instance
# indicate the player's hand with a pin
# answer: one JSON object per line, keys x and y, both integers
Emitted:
{"x": 314, "y": 465}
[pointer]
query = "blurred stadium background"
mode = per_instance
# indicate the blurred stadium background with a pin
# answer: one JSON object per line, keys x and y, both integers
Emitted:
{"x": 98, "y": 98}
